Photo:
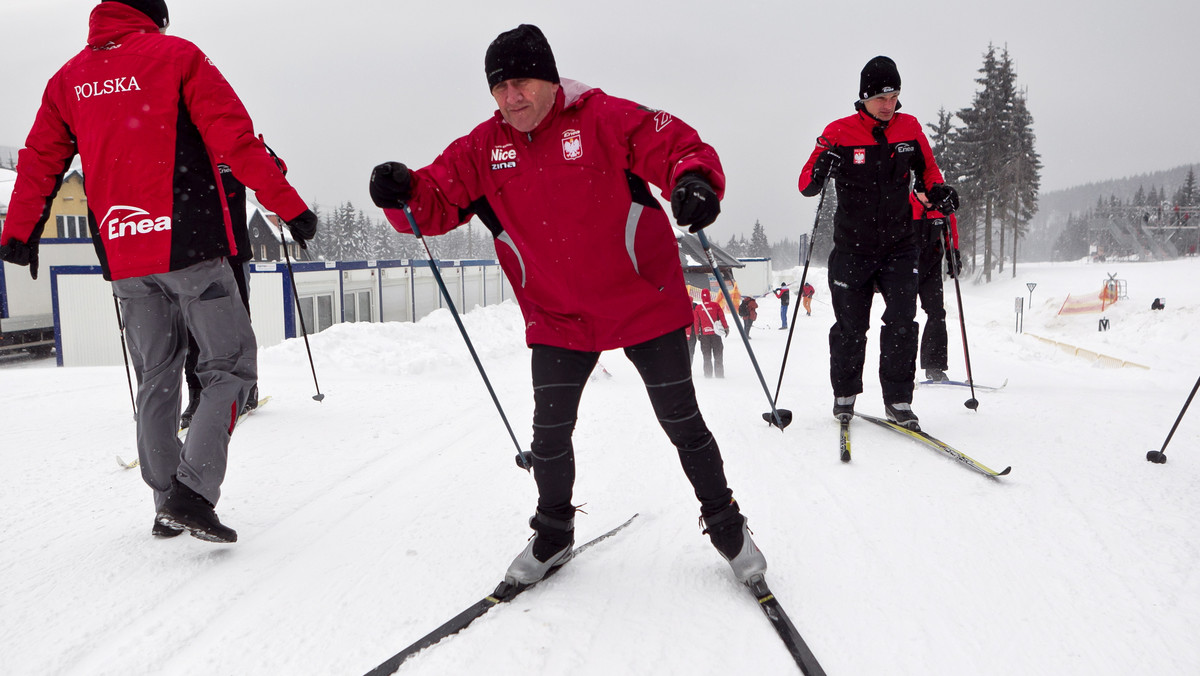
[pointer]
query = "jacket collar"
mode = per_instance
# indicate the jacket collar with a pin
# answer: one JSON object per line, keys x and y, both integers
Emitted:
{"x": 111, "y": 21}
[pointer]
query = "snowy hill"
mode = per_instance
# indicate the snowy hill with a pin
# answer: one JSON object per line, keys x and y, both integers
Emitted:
{"x": 369, "y": 519}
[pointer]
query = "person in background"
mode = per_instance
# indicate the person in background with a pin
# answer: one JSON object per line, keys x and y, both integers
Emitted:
{"x": 937, "y": 239}
{"x": 785, "y": 297}
{"x": 806, "y": 296}
{"x": 712, "y": 345}
{"x": 239, "y": 263}
{"x": 692, "y": 331}
{"x": 1157, "y": 304}
{"x": 748, "y": 311}
{"x": 876, "y": 154}
{"x": 151, "y": 117}
{"x": 561, "y": 176}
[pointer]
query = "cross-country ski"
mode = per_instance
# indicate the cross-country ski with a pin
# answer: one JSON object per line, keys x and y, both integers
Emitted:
{"x": 959, "y": 383}
{"x": 936, "y": 444}
{"x": 503, "y": 593}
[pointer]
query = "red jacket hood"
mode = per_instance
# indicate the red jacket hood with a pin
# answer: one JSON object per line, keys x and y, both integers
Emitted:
{"x": 110, "y": 21}
{"x": 705, "y": 296}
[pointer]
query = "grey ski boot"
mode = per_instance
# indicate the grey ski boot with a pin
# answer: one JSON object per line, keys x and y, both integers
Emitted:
{"x": 550, "y": 547}
{"x": 902, "y": 414}
{"x": 731, "y": 536}
{"x": 843, "y": 408}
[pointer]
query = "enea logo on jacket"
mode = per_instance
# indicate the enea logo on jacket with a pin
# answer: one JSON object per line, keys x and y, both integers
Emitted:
{"x": 121, "y": 221}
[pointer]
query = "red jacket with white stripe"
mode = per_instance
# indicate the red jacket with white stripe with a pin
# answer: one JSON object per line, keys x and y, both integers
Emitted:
{"x": 588, "y": 249}
{"x": 150, "y": 117}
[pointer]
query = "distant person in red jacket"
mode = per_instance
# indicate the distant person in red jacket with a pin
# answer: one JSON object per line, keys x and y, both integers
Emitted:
{"x": 561, "y": 177}
{"x": 806, "y": 296}
{"x": 151, "y": 117}
{"x": 712, "y": 345}
{"x": 748, "y": 311}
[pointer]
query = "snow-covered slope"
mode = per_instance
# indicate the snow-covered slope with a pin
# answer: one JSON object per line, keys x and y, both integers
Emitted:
{"x": 370, "y": 518}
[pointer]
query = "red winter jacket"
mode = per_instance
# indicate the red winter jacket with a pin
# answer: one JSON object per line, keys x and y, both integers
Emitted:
{"x": 151, "y": 117}
{"x": 873, "y": 216}
{"x": 588, "y": 249}
{"x": 708, "y": 314}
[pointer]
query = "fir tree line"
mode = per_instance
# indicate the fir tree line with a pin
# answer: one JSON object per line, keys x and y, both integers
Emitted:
{"x": 345, "y": 233}
{"x": 987, "y": 151}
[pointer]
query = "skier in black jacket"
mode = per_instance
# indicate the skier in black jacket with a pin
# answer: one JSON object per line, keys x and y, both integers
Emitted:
{"x": 876, "y": 156}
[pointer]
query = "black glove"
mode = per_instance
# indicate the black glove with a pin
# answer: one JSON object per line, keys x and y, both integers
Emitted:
{"x": 391, "y": 185}
{"x": 303, "y": 227}
{"x": 20, "y": 253}
{"x": 953, "y": 263}
{"x": 944, "y": 198}
{"x": 826, "y": 165}
{"x": 694, "y": 202}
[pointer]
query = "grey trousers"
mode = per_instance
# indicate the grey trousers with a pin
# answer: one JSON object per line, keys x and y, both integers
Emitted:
{"x": 159, "y": 310}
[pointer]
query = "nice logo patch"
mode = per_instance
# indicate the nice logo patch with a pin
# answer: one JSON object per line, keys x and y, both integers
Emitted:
{"x": 504, "y": 157}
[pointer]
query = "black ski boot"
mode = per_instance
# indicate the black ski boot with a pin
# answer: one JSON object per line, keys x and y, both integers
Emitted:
{"x": 185, "y": 418}
{"x": 902, "y": 414}
{"x": 188, "y": 510}
{"x": 162, "y": 532}
{"x": 936, "y": 375}
{"x": 251, "y": 400}
{"x": 729, "y": 533}
{"x": 843, "y": 408}
{"x": 550, "y": 547}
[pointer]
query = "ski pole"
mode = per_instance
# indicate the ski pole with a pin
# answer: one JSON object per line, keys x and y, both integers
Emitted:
{"x": 779, "y": 417}
{"x": 971, "y": 403}
{"x": 124, "y": 353}
{"x": 1161, "y": 456}
{"x": 287, "y": 258}
{"x": 812, "y": 239}
{"x": 524, "y": 458}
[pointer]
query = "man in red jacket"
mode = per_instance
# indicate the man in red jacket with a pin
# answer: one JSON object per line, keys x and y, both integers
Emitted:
{"x": 875, "y": 156}
{"x": 712, "y": 346}
{"x": 151, "y": 117}
{"x": 560, "y": 176}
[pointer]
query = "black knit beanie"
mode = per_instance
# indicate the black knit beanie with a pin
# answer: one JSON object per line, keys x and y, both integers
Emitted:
{"x": 879, "y": 76}
{"x": 520, "y": 52}
{"x": 155, "y": 9}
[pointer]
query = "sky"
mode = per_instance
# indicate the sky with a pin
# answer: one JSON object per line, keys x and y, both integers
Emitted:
{"x": 339, "y": 87}
{"x": 368, "y": 519}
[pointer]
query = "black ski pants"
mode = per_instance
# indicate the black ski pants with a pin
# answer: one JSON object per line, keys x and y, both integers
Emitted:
{"x": 852, "y": 283}
{"x": 930, "y": 289}
{"x": 559, "y": 375}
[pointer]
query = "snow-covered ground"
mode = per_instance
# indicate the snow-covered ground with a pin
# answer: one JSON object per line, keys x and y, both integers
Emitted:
{"x": 370, "y": 518}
